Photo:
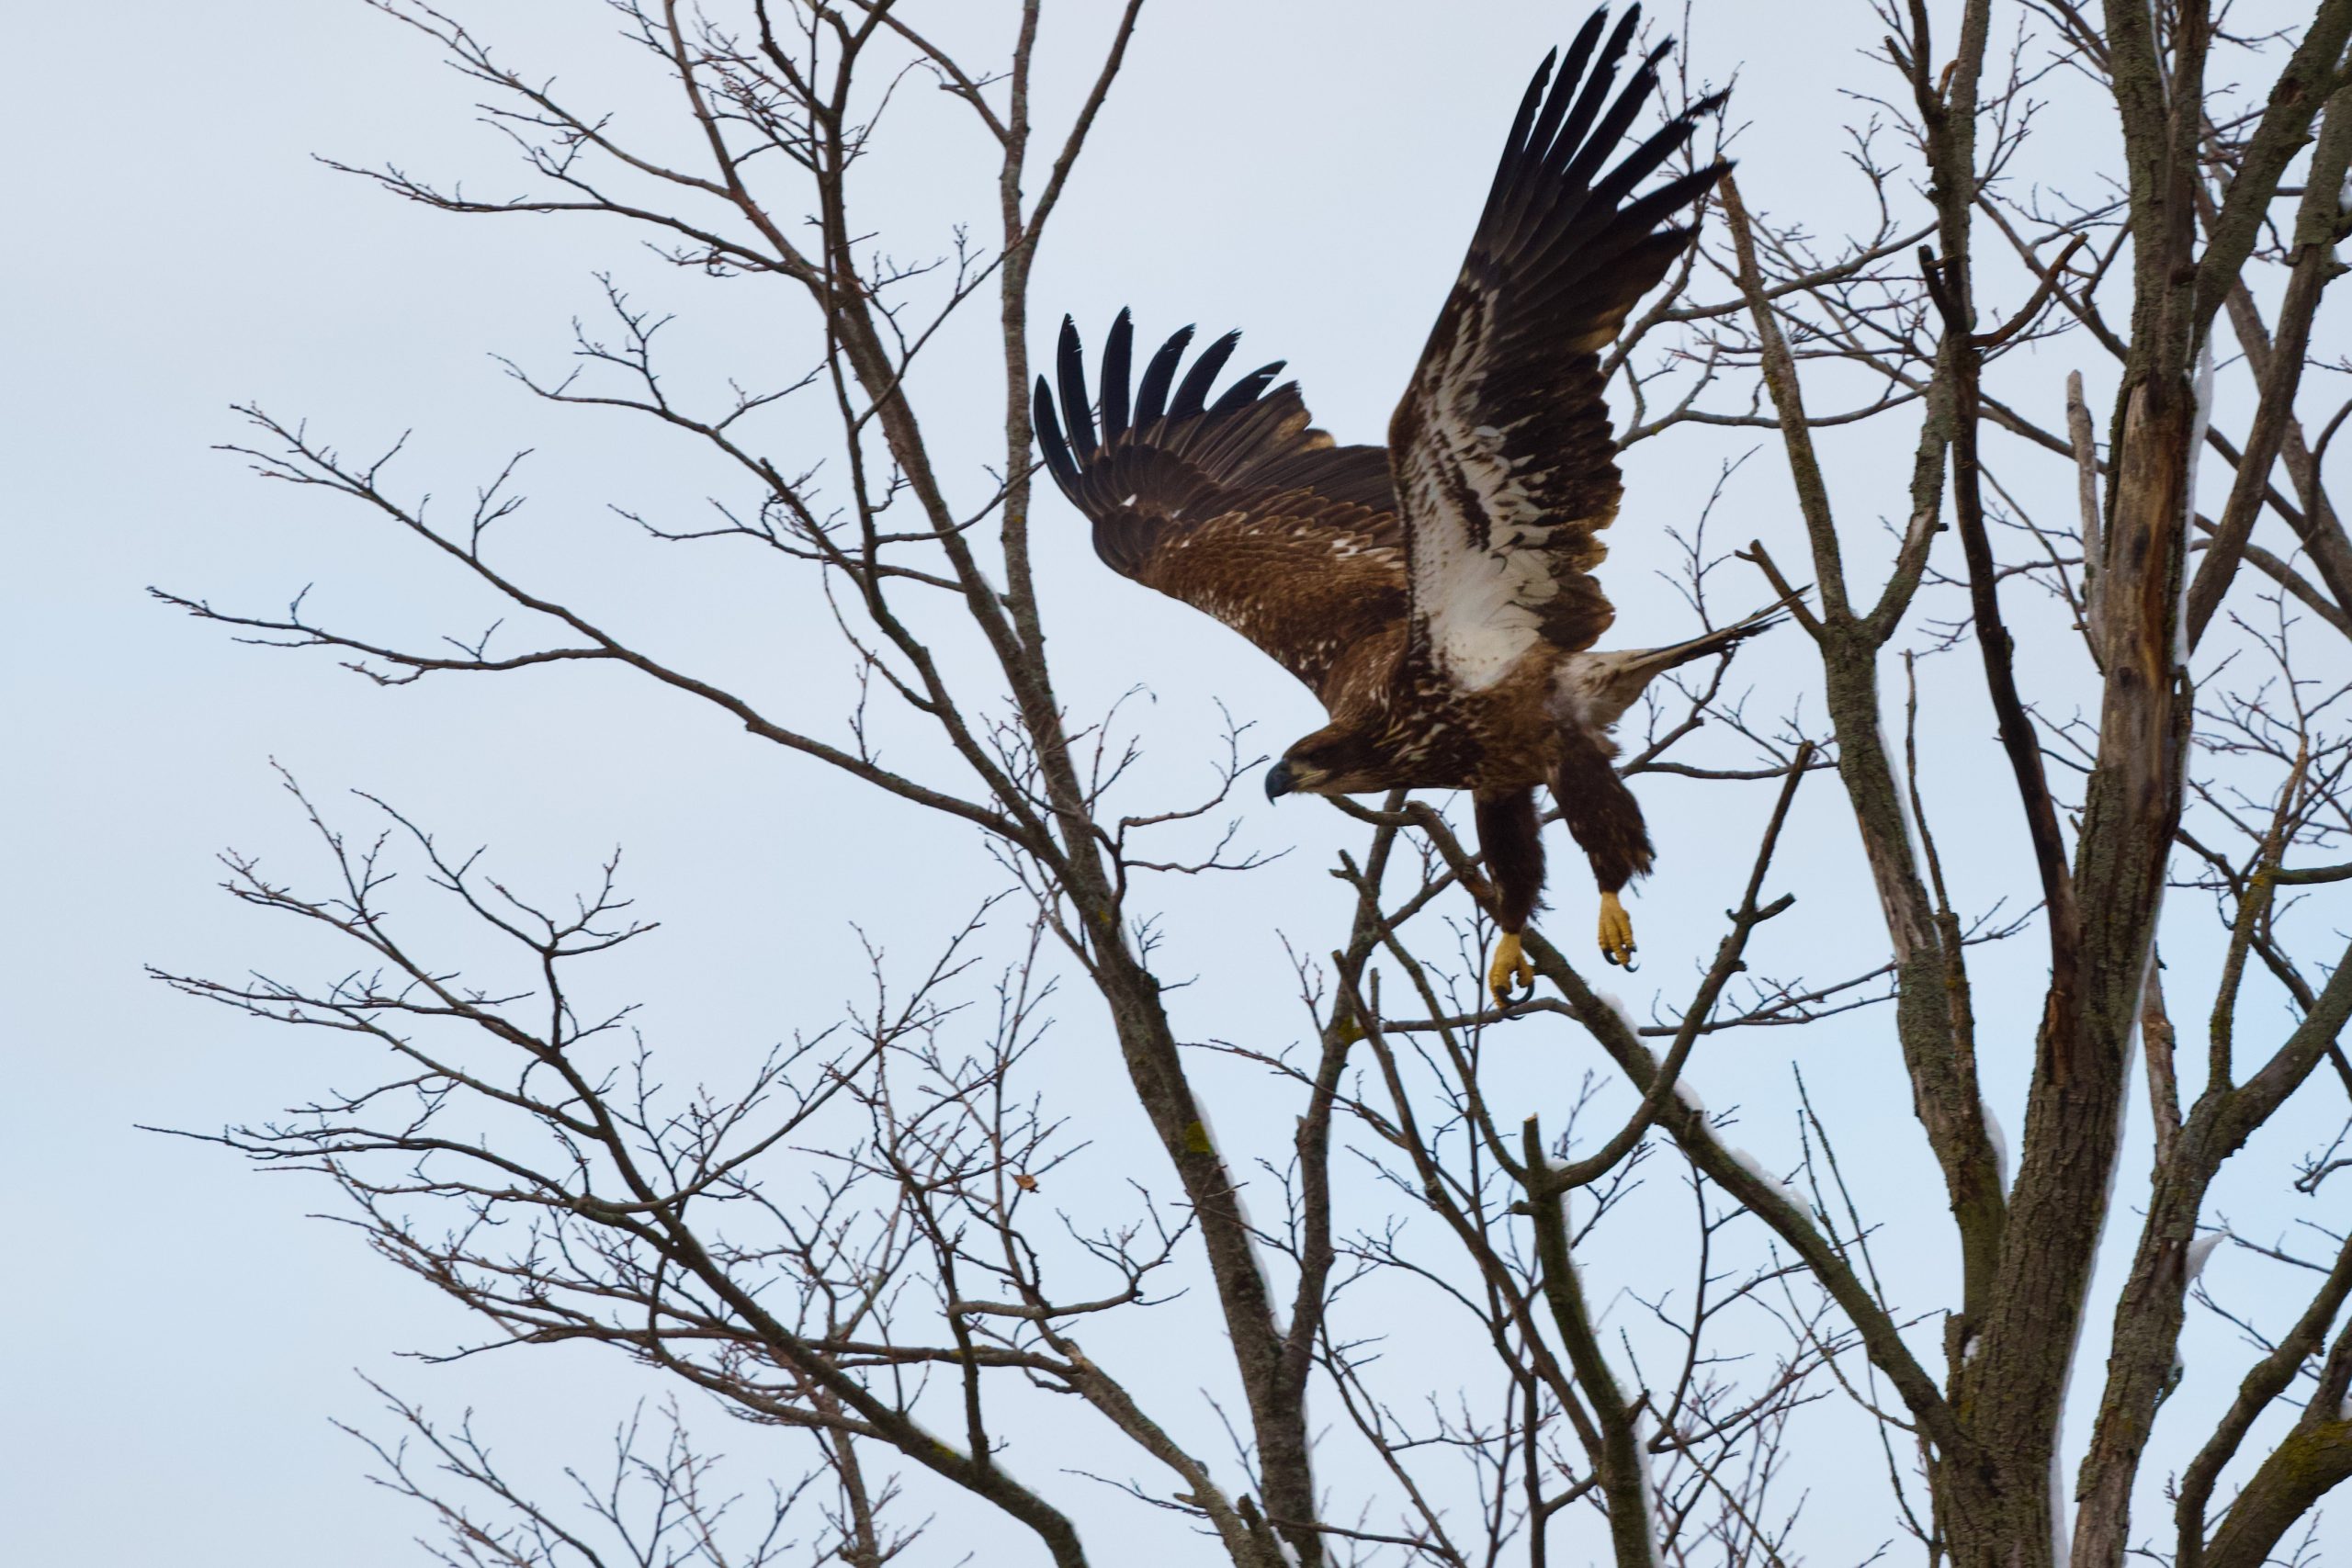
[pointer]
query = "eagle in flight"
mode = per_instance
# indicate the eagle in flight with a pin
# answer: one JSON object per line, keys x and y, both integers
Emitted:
{"x": 1437, "y": 594}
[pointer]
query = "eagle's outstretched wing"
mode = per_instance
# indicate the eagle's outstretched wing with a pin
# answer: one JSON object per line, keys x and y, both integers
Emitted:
{"x": 1505, "y": 467}
{"x": 1235, "y": 506}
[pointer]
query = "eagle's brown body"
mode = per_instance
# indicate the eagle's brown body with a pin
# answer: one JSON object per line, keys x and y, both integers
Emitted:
{"x": 1432, "y": 735}
{"x": 1438, "y": 594}
{"x": 1420, "y": 730}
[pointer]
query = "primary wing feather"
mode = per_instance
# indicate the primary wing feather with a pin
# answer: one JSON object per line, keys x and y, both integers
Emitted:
{"x": 1506, "y": 470}
{"x": 1237, "y": 506}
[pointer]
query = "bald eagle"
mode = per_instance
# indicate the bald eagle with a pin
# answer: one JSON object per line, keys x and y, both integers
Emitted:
{"x": 1437, "y": 594}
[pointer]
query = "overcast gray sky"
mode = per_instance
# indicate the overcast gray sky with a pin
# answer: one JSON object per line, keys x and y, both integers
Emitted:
{"x": 179, "y": 1332}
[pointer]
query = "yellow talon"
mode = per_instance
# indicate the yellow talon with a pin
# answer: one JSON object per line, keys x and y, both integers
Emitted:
{"x": 1510, "y": 967}
{"x": 1616, "y": 933}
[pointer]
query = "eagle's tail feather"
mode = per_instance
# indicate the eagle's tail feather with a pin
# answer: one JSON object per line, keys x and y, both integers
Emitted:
{"x": 1605, "y": 684}
{"x": 1658, "y": 660}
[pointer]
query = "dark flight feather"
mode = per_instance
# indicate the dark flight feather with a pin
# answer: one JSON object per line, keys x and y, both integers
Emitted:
{"x": 1117, "y": 353}
{"x": 1071, "y": 368}
{"x": 1051, "y": 441}
{"x": 1194, "y": 389}
{"x": 1151, "y": 400}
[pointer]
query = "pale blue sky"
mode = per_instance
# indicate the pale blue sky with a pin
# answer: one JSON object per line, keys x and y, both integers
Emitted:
{"x": 179, "y": 1331}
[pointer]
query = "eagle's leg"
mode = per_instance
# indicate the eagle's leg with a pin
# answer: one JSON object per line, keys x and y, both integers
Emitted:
{"x": 1510, "y": 836}
{"x": 1607, "y": 822}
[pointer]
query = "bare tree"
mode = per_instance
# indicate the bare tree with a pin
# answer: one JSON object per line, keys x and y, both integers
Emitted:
{"x": 856, "y": 1240}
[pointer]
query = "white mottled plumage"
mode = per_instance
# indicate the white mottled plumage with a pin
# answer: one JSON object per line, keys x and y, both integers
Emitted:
{"x": 1479, "y": 603}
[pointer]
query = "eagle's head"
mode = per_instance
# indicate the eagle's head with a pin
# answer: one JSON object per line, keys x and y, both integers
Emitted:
{"x": 1330, "y": 761}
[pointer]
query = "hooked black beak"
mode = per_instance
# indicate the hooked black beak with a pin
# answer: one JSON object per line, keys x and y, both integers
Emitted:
{"x": 1279, "y": 781}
